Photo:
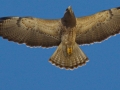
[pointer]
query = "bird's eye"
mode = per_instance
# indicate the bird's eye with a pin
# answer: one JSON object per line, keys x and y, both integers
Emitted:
{"x": 67, "y": 9}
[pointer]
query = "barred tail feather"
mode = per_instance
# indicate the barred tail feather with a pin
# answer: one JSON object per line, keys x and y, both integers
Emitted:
{"x": 76, "y": 59}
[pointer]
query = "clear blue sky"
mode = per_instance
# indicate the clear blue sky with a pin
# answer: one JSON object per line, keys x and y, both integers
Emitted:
{"x": 24, "y": 68}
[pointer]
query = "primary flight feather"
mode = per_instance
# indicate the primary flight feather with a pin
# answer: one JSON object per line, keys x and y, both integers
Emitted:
{"x": 67, "y": 33}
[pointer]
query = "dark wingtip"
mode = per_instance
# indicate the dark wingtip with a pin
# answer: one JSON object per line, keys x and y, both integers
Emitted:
{"x": 4, "y": 18}
{"x": 118, "y": 8}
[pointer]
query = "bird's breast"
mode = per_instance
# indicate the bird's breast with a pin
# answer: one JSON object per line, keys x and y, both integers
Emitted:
{"x": 68, "y": 36}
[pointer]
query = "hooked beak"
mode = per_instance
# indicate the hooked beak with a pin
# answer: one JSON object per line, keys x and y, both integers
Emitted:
{"x": 69, "y": 9}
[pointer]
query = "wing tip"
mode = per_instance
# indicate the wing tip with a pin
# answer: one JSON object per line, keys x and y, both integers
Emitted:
{"x": 4, "y": 18}
{"x": 118, "y": 8}
{"x": 9, "y": 17}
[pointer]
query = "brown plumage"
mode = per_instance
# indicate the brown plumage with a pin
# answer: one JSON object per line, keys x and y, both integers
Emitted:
{"x": 66, "y": 33}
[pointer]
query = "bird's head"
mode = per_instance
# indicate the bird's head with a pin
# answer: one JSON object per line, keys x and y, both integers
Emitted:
{"x": 69, "y": 19}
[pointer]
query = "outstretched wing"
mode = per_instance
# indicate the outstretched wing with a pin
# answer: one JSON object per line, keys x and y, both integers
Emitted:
{"x": 31, "y": 31}
{"x": 98, "y": 27}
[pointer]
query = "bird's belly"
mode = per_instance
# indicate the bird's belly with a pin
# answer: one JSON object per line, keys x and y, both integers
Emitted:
{"x": 68, "y": 41}
{"x": 68, "y": 38}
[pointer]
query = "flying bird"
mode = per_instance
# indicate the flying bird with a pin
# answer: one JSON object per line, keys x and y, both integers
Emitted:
{"x": 67, "y": 33}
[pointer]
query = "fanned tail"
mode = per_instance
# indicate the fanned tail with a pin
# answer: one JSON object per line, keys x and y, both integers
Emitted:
{"x": 75, "y": 59}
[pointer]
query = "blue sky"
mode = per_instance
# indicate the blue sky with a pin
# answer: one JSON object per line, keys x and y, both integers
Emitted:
{"x": 24, "y": 68}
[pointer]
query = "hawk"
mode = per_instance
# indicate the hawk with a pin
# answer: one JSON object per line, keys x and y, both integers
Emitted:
{"x": 67, "y": 33}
